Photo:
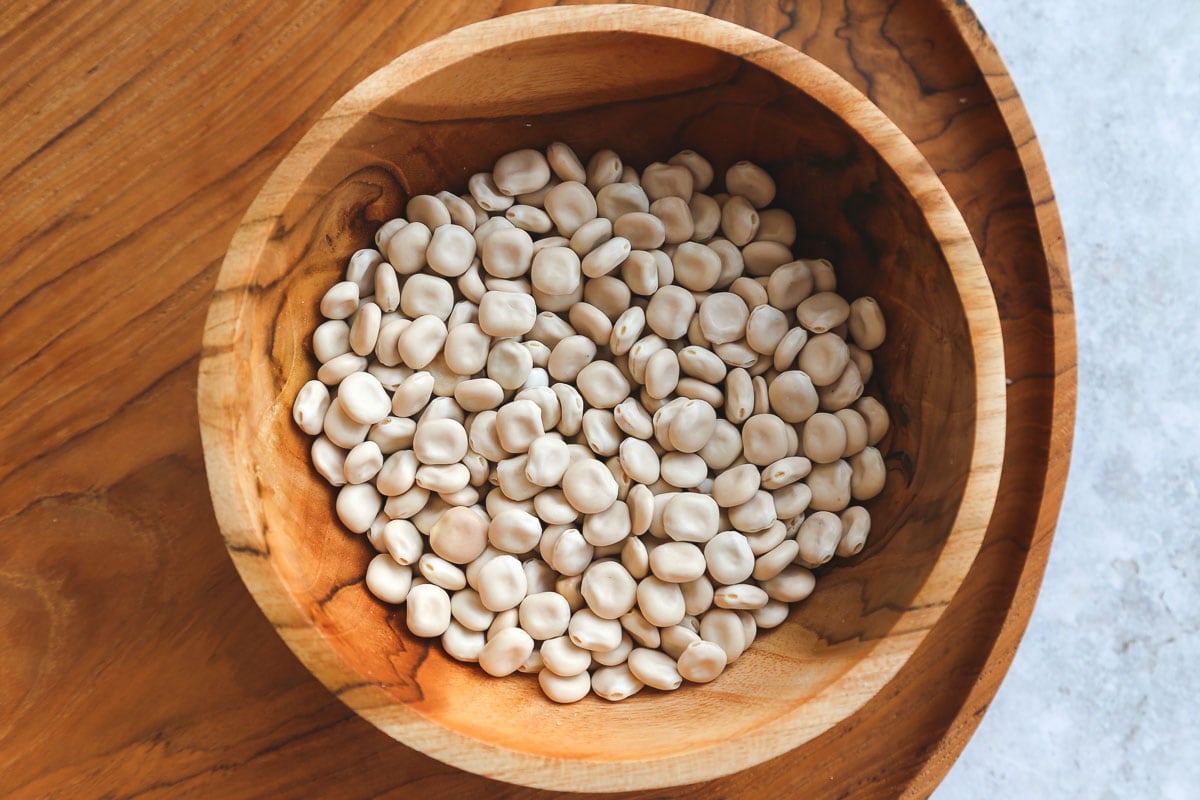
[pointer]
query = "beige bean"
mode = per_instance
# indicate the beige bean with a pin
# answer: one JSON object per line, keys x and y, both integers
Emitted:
{"x": 518, "y": 424}
{"x": 856, "y": 525}
{"x": 753, "y": 293}
{"x": 698, "y": 165}
{"x": 739, "y": 221}
{"x": 407, "y": 248}
{"x": 589, "y": 487}
{"x": 510, "y": 477}
{"x": 570, "y": 356}
{"x": 867, "y": 326}
{"x": 308, "y": 411}
{"x": 764, "y": 439}
{"x": 776, "y": 225}
{"x": 602, "y": 384}
{"x": 702, "y": 662}
{"x": 763, "y": 258}
{"x": 701, "y": 363}
{"x": 364, "y": 330}
{"x": 331, "y": 339}
{"x": 723, "y": 628}
{"x": 772, "y": 615}
{"x": 876, "y": 417}
{"x": 692, "y": 426}
{"x": 591, "y": 235}
{"x": 667, "y": 180}
{"x": 556, "y": 270}
{"x": 544, "y": 615}
{"x": 856, "y": 430}
{"x": 427, "y": 209}
{"x": 632, "y": 419}
{"x": 691, "y": 517}
{"x": 660, "y": 602}
{"x": 662, "y": 373}
{"x": 774, "y": 561}
{"x": 570, "y": 689}
{"x": 729, "y": 557}
{"x": 548, "y": 460}
{"x": 609, "y": 590}
{"x": 842, "y": 392}
{"x": 340, "y": 429}
{"x": 463, "y": 644}
{"x": 736, "y": 485}
{"x": 740, "y": 597}
{"x": 363, "y": 462}
{"x": 634, "y": 556}
{"x": 532, "y": 219}
{"x": 387, "y": 288}
{"x": 723, "y": 447}
{"x": 570, "y": 403}
{"x": 520, "y": 172}
{"x": 440, "y": 572}
{"x": 505, "y": 652}
{"x": 502, "y": 583}
{"x": 443, "y": 478}
{"x": 868, "y": 474}
{"x": 737, "y": 354}
{"x": 790, "y": 284}
{"x": 706, "y": 217}
{"x": 461, "y": 212}
{"x": 470, "y": 283}
{"x": 564, "y": 658}
{"x": 504, "y": 314}
{"x": 451, "y": 250}
{"x": 677, "y": 562}
{"x": 509, "y": 364}
{"x": 863, "y": 360}
{"x": 514, "y": 531}
{"x": 626, "y": 330}
{"x": 428, "y": 610}
{"x": 340, "y": 300}
{"x": 338, "y": 368}
{"x": 441, "y": 441}
{"x": 697, "y": 595}
{"x": 785, "y": 472}
{"x": 591, "y": 322}
{"x": 789, "y": 348}
{"x": 392, "y": 434}
{"x": 388, "y": 580}
{"x": 593, "y": 633}
{"x": 822, "y": 312}
{"x": 421, "y": 341}
{"x": 824, "y": 439}
{"x": 483, "y": 439}
{"x": 618, "y": 200}
{"x": 553, "y": 508}
{"x": 765, "y": 329}
{"x": 427, "y": 294}
{"x": 818, "y": 538}
{"x": 607, "y": 257}
{"x": 752, "y": 182}
{"x": 641, "y": 509}
{"x": 792, "y": 500}
{"x": 676, "y": 639}
{"x": 507, "y": 253}
{"x": 683, "y": 470}
{"x": 565, "y": 164}
{"x": 754, "y": 515}
{"x": 792, "y": 396}
{"x": 406, "y": 504}
{"x": 503, "y": 621}
{"x": 654, "y": 668}
{"x": 697, "y": 266}
{"x": 600, "y": 431}
{"x": 830, "y": 485}
{"x": 824, "y": 358}
{"x": 676, "y": 217}
{"x": 478, "y": 394}
{"x": 386, "y": 231}
{"x": 398, "y": 473}
{"x": 615, "y": 683}
{"x": 643, "y": 230}
{"x": 603, "y": 168}
{"x": 608, "y": 294}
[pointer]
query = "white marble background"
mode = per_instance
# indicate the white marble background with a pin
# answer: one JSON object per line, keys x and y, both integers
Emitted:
{"x": 1103, "y": 699}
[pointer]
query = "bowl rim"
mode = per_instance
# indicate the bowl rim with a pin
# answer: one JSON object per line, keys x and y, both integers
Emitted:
{"x": 235, "y": 496}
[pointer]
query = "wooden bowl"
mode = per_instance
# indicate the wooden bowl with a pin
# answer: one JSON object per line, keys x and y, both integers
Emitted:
{"x": 647, "y": 82}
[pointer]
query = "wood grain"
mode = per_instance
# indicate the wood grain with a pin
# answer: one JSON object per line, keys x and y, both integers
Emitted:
{"x": 135, "y": 663}
{"x": 862, "y": 196}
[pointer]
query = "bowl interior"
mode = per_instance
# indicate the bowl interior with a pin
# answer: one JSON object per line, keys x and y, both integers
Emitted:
{"x": 647, "y": 94}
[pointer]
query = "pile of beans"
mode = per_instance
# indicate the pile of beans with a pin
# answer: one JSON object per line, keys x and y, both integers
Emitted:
{"x": 600, "y": 425}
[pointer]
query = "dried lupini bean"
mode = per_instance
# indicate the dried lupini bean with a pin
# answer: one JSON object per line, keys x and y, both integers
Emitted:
{"x": 682, "y": 453}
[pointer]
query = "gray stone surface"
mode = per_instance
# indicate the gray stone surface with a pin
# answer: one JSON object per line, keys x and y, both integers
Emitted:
{"x": 1102, "y": 700}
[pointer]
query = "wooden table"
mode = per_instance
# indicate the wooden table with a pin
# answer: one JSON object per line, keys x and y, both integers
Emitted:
{"x": 133, "y": 663}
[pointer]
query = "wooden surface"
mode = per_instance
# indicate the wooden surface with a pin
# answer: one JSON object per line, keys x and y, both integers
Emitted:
{"x": 134, "y": 661}
{"x": 862, "y": 196}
